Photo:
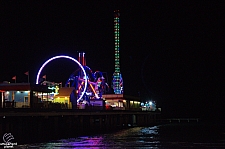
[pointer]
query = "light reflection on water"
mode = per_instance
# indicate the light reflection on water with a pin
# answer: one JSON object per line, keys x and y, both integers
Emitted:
{"x": 171, "y": 136}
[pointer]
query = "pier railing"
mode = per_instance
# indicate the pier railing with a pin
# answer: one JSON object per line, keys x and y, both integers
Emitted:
{"x": 179, "y": 120}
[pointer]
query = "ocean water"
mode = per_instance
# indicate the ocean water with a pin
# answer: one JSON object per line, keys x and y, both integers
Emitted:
{"x": 178, "y": 135}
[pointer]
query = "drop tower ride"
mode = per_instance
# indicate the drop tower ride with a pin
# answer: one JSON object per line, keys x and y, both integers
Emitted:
{"x": 117, "y": 77}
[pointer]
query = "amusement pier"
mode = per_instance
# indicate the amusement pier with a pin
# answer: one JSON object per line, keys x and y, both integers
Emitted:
{"x": 84, "y": 103}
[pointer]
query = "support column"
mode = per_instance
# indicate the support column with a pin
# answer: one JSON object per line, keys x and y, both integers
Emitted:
{"x": 31, "y": 99}
{"x": 2, "y": 100}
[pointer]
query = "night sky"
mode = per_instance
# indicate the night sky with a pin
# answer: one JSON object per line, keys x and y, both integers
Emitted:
{"x": 170, "y": 52}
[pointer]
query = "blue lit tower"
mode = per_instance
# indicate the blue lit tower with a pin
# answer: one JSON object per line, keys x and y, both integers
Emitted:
{"x": 117, "y": 78}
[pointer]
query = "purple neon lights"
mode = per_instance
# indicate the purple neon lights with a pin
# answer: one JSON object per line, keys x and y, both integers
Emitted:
{"x": 67, "y": 57}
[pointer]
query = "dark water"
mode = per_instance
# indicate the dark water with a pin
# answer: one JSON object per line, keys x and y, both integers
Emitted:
{"x": 162, "y": 136}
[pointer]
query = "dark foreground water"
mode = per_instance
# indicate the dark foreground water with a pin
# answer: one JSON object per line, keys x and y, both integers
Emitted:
{"x": 163, "y": 136}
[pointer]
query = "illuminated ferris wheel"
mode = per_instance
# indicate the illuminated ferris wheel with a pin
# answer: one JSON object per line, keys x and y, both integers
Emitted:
{"x": 85, "y": 80}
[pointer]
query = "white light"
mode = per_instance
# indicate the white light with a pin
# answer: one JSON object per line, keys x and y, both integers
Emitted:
{"x": 150, "y": 103}
{"x": 67, "y": 57}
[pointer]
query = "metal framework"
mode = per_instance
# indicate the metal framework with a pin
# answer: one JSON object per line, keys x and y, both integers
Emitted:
{"x": 117, "y": 79}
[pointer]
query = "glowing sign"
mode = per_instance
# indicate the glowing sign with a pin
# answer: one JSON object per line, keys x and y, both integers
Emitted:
{"x": 67, "y": 57}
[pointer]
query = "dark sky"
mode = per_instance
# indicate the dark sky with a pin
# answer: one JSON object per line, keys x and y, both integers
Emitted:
{"x": 170, "y": 52}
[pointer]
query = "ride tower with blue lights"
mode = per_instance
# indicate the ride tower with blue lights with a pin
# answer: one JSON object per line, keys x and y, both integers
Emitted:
{"x": 117, "y": 77}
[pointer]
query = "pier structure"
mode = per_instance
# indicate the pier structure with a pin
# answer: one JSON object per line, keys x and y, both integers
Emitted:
{"x": 27, "y": 95}
{"x": 29, "y": 126}
{"x": 178, "y": 120}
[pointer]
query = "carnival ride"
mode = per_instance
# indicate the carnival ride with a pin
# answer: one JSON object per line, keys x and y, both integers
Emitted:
{"x": 96, "y": 85}
{"x": 88, "y": 85}
{"x": 70, "y": 58}
{"x": 117, "y": 83}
